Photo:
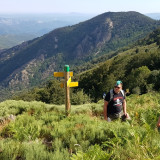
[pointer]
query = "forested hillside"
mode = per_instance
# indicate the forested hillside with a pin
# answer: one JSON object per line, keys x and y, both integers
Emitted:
{"x": 138, "y": 67}
{"x": 35, "y": 61}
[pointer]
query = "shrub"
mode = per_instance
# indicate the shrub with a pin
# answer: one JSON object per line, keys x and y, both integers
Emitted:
{"x": 136, "y": 90}
{"x": 24, "y": 128}
{"x": 79, "y": 98}
{"x": 43, "y": 131}
{"x": 94, "y": 152}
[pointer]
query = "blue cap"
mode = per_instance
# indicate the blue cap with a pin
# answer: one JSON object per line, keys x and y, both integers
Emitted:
{"x": 118, "y": 83}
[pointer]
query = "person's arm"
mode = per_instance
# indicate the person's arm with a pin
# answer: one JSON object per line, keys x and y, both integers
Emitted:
{"x": 124, "y": 107}
{"x": 158, "y": 123}
{"x": 105, "y": 109}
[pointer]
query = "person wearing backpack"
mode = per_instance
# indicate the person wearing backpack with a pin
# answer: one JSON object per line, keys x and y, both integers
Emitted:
{"x": 115, "y": 104}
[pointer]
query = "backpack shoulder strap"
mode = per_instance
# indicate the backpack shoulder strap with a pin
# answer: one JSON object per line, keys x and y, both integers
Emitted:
{"x": 122, "y": 91}
{"x": 111, "y": 94}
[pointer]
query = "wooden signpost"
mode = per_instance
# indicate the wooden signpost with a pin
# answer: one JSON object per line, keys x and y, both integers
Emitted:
{"x": 67, "y": 84}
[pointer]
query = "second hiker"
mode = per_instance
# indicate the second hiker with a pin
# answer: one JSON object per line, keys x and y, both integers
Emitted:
{"x": 115, "y": 103}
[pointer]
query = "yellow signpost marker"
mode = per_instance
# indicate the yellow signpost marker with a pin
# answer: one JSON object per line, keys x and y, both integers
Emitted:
{"x": 58, "y": 74}
{"x": 67, "y": 84}
{"x": 72, "y": 84}
{"x": 69, "y": 81}
{"x": 61, "y": 74}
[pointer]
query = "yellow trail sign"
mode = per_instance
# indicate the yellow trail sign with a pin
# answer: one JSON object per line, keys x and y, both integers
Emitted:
{"x": 61, "y": 74}
{"x": 58, "y": 74}
{"x": 72, "y": 84}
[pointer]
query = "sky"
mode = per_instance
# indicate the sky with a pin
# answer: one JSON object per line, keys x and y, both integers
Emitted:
{"x": 79, "y": 6}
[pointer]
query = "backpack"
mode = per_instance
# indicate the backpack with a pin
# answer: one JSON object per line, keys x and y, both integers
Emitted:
{"x": 112, "y": 94}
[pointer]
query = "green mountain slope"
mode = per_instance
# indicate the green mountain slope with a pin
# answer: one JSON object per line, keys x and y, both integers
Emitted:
{"x": 138, "y": 68}
{"x": 35, "y": 61}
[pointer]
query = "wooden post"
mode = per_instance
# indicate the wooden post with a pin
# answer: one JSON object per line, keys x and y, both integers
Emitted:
{"x": 67, "y": 94}
{"x": 67, "y": 84}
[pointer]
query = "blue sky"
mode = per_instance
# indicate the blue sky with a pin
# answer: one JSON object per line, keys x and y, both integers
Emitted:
{"x": 80, "y": 6}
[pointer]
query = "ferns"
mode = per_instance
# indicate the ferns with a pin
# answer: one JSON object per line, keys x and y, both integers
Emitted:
{"x": 42, "y": 131}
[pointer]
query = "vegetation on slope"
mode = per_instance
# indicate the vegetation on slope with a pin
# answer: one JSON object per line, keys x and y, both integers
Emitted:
{"x": 34, "y": 130}
{"x": 52, "y": 93}
{"x": 75, "y": 45}
{"x": 138, "y": 67}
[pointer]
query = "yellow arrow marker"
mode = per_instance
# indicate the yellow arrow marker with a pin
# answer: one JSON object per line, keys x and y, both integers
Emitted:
{"x": 58, "y": 74}
{"x": 73, "y": 84}
{"x": 69, "y": 81}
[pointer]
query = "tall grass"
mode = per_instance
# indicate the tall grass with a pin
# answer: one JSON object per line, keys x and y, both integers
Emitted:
{"x": 42, "y": 131}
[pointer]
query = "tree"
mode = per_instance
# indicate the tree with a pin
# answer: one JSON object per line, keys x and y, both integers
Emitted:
{"x": 138, "y": 78}
{"x": 154, "y": 79}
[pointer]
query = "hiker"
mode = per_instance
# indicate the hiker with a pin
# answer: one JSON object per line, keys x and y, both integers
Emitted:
{"x": 114, "y": 102}
{"x": 158, "y": 123}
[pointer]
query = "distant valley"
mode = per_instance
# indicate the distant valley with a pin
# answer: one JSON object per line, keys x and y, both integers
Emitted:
{"x": 17, "y": 28}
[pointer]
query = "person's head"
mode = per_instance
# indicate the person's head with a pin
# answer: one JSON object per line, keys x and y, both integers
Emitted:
{"x": 118, "y": 86}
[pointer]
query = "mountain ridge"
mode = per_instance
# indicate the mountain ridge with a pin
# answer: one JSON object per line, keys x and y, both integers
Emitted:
{"x": 39, "y": 58}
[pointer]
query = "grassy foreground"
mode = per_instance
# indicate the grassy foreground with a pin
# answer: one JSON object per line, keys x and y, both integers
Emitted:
{"x": 38, "y": 131}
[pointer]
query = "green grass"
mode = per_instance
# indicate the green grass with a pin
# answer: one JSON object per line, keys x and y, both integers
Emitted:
{"x": 42, "y": 131}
